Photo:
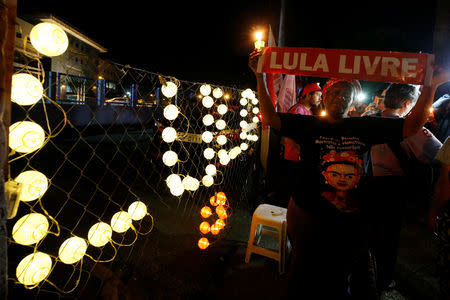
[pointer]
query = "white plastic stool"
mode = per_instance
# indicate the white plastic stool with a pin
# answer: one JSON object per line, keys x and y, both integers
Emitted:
{"x": 274, "y": 217}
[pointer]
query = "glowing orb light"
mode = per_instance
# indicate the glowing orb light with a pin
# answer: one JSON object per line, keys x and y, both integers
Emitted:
{"x": 26, "y": 89}
{"x": 222, "y": 153}
{"x": 221, "y": 223}
{"x": 121, "y": 221}
{"x": 204, "y": 227}
{"x": 221, "y": 212}
{"x": 222, "y": 109}
{"x": 169, "y": 89}
{"x": 206, "y": 212}
{"x": 255, "y": 119}
{"x": 221, "y": 139}
{"x": 217, "y": 93}
{"x": 190, "y": 183}
{"x": 170, "y": 158}
{"x": 244, "y": 146}
{"x": 207, "y": 180}
{"x": 255, "y": 110}
{"x": 215, "y": 229}
{"x": 173, "y": 180}
{"x": 26, "y": 136}
{"x": 34, "y": 185}
{"x": 207, "y": 101}
{"x": 205, "y": 89}
{"x": 203, "y": 243}
{"x": 247, "y": 93}
{"x": 72, "y": 250}
{"x": 171, "y": 112}
{"x": 243, "y": 113}
{"x": 243, "y": 124}
{"x": 211, "y": 170}
{"x": 30, "y": 229}
{"x": 243, "y": 135}
{"x": 177, "y": 190}
{"x": 34, "y": 268}
{"x": 221, "y": 198}
{"x": 208, "y": 120}
{"x": 137, "y": 210}
{"x": 169, "y": 134}
{"x": 221, "y": 124}
{"x": 224, "y": 160}
{"x": 49, "y": 39}
{"x": 243, "y": 101}
{"x": 99, "y": 234}
{"x": 207, "y": 137}
{"x": 209, "y": 153}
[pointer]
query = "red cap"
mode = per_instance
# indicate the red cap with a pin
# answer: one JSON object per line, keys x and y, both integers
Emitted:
{"x": 309, "y": 88}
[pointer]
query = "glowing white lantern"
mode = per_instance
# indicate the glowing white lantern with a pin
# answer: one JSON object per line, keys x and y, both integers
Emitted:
{"x": 173, "y": 180}
{"x": 207, "y": 137}
{"x": 255, "y": 110}
{"x": 243, "y": 124}
{"x": 208, "y": 120}
{"x": 121, "y": 221}
{"x": 205, "y": 89}
{"x": 169, "y": 89}
{"x": 26, "y": 89}
{"x": 255, "y": 119}
{"x": 190, "y": 183}
{"x": 243, "y": 101}
{"x": 243, "y": 135}
{"x": 222, "y": 109}
{"x": 222, "y": 153}
{"x": 177, "y": 190}
{"x": 255, "y": 101}
{"x": 171, "y": 112}
{"x": 49, "y": 39}
{"x": 234, "y": 152}
{"x": 72, "y": 250}
{"x": 211, "y": 170}
{"x": 207, "y": 101}
{"x": 217, "y": 93}
{"x": 30, "y": 229}
{"x": 247, "y": 93}
{"x": 34, "y": 185}
{"x": 170, "y": 158}
{"x": 243, "y": 113}
{"x": 220, "y": 124}
{"x": 209, "y": 153}
{"x": 224, "y": 160}
{"x": 221, "y": 139}
{"x": 26, "y": 136}
{"x": 244, "y": 146}
{"x": 169, "y": 134}
{"x": 207, "y": 180}
{"x": 137, "y": 210}
{"x": 34, "y": 268}
{"x": 99, "y": 234}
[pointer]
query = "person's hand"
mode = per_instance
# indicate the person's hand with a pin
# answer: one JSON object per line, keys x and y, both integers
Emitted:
{"x": 253, "y": 60}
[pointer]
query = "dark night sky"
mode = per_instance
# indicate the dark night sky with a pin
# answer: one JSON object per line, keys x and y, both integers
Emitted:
{"x": 209, "y": 41}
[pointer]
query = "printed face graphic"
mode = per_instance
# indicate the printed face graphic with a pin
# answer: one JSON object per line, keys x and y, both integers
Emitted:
{"x": 342, "y": 177}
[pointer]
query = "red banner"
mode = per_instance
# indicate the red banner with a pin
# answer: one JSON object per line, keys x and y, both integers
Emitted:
{"x": 384, "y": 66}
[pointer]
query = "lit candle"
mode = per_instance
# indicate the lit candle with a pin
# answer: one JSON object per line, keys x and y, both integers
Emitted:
{"x": 259, "y": 42}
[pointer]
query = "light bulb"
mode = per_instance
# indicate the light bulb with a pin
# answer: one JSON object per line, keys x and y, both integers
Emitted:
{"x": 209, "y": 153}
{"x": 247, "y": 93}
{"x": 244, "y": 146}
{"x": 217, "y": 93}
{"x": 72, "y": 250}
{"x": 26, "y": 89}
{"x": 169, "y": 89}
{"x": 206, "y": 212}
{"x": 255, "y": 110}
{"x": 49, "y": 39}
{"x": 222, "y": 153}
{"x": 207, "y": 180}
{"x": 204, "y": 227}
{"x": 221, "y": 212}
{"x": 173, "y": 180}
{"x": 203, "y": 243}
{"x": 205, "y": 89}
{"x": 243, "y": 124}
{"x": 137, "y": 210}
{"x": 170, "y": 158}
{"x": 215, "y": 229}
{"x": 243, "y": 113}
{"x": 220, "y": 223}
{"x": 30, "y": 229}
{"x": 221, "y": 139}
{"x": 221, "y": 198}
{"x": 224, "y": 160}
{"x": 243, "y": 135}
{"x": 255, "y": 119}
{"x": 211, "y": 170}
{"x": 207, "y": 137}
{"x": 34, "y": 268}
{"x": 222, "y": 109}
{"x": 208, "y": 120}
{"x": 207, "y": 101}
{"x": 26, "y": 136}
{"x": 243, "y": 101}
{"x": 169, "y": 134}
{"x": 121, "y": 221}
{"x": 34, "y": 185}
{"x": 177, "y": 190}
{"x": 190, "y": 183}
{"x": 171, "y": 112}
{"x": 220, "y": 124}
{"x": 99, "y": 234}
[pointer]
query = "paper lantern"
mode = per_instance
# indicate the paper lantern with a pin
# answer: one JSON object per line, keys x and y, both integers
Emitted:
{"x": 211, "y": 169}
{"x": 205, "y": 89}
{"x": 243, "y": 124}
{"x": 177, "y": 190}
{"x": 224, "y": 160}
{"x": 221, "y": 198}
{"x": 247, "y": 93}
{"x": 222, "y": 109}
{"x": 121, "y": 221}
{"x": 215, "y": 229}
{"x": 99, "y": 234}
{"x": 222, "y": 153}
{"x": 255, "y": 101}
{"x": 34, "y": 268}
{"x": 26, "y": 89}
{"x": 207, "y": 180}
{"x": 221, "y": 212}
{"x": 255, "y": 119}
{"x": 137, "y": 210}
{"x": 208, "y": 120}
{"x": 213, "y": 200}
{"x": 72, "y": 250}
{"x": 243, "y": 113}
{"x": 206, "y": 212}
{"x": 244, "y": 146}
{"x": 49, "y": 39}
{"x": 170, "y": 158}
{"x": 255, "y": 110}
{"x": 221, "y": 139}
{"x": 30, "y": 229}
{"x": 243, "y": 101}
{"x": 34, "y": 185}
{"x": 220, "y": 124}
{"x": 203, "y": 243}
{"x": 26, "y": 136}
{"x": 173, "y": 180}
{"x": 217, "y": 93}
{"x": 220, "y": 223}
{"x": 169, "y": 134}
{"x": 209, "y": 153}
{"x": 243, "y": 135}
{"x": 190, "y": 183}
{"x": 207, "y": 101}
{"x": 169, "y": 89}
{"x": 204, "y": 227}
{"x": 170, "y": 112}
{"x": 207, "y": 137}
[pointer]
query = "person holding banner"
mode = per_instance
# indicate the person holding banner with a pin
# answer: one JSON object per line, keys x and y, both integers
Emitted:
{"x": 326, "y": 221}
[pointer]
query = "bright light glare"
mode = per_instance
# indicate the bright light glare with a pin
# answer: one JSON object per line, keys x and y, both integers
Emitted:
{"x": 361, "y": 97}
